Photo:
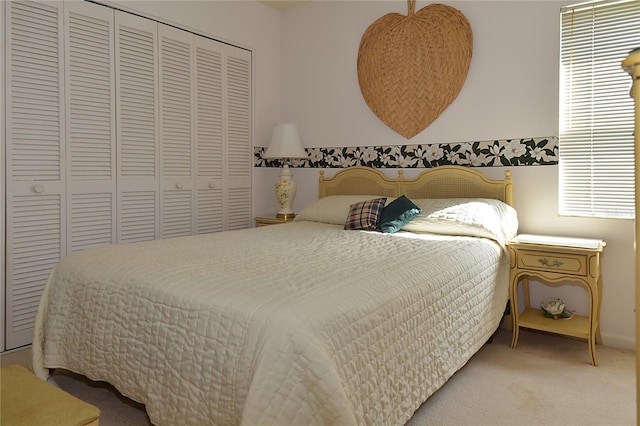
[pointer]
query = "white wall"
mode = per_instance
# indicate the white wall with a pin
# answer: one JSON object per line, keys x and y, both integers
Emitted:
{"x": 511, "y": 92}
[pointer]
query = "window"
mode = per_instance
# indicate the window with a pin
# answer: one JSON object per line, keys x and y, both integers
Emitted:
{"x": 596, "y": 143}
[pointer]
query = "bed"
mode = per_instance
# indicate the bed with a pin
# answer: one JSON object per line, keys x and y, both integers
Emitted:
{"x": 293, "y": 324}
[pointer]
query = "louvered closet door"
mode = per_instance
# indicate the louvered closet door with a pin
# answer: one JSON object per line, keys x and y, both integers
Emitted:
{"x": 90, "y": 100}
{"x": 177, "y": 196}
{"x": 209, "y": 135}
{"x": 137, "y": 117}
{"x": 238, "y": 134}
{"x": 35, "y": 207}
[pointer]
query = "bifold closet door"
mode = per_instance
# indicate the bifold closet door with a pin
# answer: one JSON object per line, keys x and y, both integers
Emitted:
{"x": 238, "y": 125}
{"x": 205, "y": 134}
{"x": 222, "y": 130}
{"x": 35, "y": 160}
{"x": 177, "y": 191}
{"x": 209, "y": 135}
{"x": 138, "y": 121}
{"x": 91, "y": 126}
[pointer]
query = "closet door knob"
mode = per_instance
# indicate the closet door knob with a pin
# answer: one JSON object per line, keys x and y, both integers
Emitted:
{"x": 179, "y": 185}
{"x": 212, "y": 184}
{"x": 38, "y": 188}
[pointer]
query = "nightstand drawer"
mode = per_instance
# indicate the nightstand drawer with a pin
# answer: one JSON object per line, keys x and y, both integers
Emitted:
{"x": 574, "y": 264}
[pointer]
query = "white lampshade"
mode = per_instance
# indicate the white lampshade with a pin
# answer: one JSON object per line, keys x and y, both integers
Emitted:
{"x": 285, "y": 143}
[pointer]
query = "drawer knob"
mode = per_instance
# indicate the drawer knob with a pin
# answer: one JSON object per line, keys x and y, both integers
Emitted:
{"x": 555, "y": 263}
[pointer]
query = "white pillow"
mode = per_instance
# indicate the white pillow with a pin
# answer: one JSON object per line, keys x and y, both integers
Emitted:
{"x": 333, "y": 209}
{"x": 475, "y": 217}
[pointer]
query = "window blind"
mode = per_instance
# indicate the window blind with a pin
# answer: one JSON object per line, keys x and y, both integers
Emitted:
{"x": 596, "y": 144}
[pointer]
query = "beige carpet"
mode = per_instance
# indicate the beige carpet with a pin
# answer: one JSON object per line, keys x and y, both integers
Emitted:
{"x": 546, "y": 380}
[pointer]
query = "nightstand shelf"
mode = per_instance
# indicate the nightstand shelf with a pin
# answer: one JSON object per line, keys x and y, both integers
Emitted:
{"x": 556, "y": 260}
{"x": 578, "y": 326}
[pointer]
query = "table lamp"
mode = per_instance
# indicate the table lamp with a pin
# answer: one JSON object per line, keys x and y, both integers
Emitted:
{"x": 285, "y": 145}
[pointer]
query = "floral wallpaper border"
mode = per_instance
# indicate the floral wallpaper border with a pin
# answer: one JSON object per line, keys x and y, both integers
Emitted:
{"x": 504, "y": 152}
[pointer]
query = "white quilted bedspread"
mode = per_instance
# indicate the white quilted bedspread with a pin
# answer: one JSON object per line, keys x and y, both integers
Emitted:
{"x": 294, "y": 324}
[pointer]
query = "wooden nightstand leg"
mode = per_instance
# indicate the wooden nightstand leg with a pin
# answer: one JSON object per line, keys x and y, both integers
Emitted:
{"x": 598, "y": 305}
{"x": 592, "y": 352}
{"x": 525, "y": 292}
{"x": 513, "y": 300}
{"x": 592, "y": 341}
{"x": 598, "y": 336}
{"x": 594, "y": 324}
{"x": 515, "y": 335}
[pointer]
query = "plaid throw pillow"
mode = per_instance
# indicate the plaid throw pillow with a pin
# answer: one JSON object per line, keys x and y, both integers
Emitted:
{"x": 365, "y": 215}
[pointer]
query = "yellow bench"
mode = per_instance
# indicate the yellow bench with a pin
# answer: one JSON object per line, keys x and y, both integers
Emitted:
{"x": 27, "y": 400}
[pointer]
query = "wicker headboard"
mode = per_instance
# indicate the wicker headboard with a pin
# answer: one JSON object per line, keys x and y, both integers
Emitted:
{"x": 439, "y": 182}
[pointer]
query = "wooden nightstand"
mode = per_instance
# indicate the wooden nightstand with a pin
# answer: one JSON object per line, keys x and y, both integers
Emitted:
{"x": 556, "y": 259}
{"x": 264, "y": 221}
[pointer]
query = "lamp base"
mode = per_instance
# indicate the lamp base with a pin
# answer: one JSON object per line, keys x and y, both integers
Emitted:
{"x": 285, "y": 194}
{"x": 286, "y": 216}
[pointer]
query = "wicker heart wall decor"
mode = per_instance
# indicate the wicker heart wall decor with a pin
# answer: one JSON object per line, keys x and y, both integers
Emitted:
{"x": 411, "y": 68}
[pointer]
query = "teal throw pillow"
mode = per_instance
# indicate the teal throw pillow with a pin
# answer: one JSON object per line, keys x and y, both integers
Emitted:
{"x": 397, "y": 214}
